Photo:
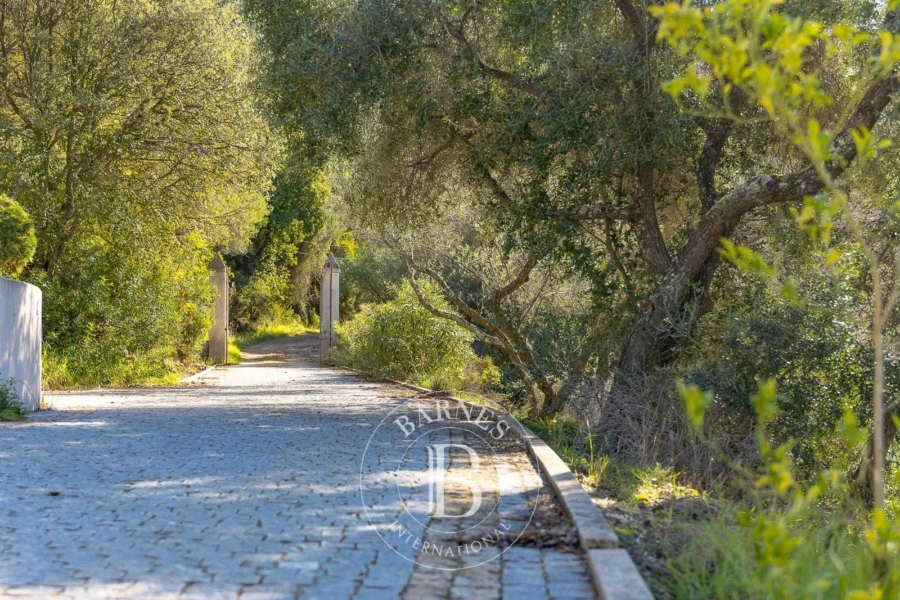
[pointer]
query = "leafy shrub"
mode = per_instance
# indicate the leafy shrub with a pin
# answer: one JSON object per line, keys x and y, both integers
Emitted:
{"x": 401, "y": 340}
{"x": 261, "y": 298}
{"x": 17, "y": 239}
{"x": 789, "y": 538}
{"x": 10, "y": 407}
{"x": 94, "y": 363}
{"x": 112, "y": 318}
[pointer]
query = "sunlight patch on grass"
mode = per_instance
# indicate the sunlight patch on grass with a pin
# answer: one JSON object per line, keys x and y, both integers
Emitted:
{"x": 269, "y": 332}
{"x": 234, "y": 353}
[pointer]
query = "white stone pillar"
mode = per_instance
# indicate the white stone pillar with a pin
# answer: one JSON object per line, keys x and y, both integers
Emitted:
{"x": 20, "y": 340}
{"x": 329, "y": 306}
{"x": 218, "y": 334}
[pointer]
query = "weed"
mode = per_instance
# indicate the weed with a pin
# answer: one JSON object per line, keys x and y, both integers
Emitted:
{"x": 11, "y": 408}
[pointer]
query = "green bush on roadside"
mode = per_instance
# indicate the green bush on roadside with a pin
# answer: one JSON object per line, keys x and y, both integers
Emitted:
{"x": 401, "y": 340}
{"x": 102, "y": 365}
{"x": 10, "y": 407}
{"x": 789, "y": 537}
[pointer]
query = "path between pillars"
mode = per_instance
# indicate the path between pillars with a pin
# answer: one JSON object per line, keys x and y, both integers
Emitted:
{"x": 244, "y": 485}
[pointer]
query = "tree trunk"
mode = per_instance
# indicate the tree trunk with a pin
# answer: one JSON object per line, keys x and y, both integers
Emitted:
{"x": 680, "y": 296}
{"x": 862, "y": 474}
{"x": 666, "y": 321}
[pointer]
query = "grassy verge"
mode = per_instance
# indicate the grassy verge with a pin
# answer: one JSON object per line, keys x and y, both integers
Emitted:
{"x": 66, "y": 370}
{"x": 656, "y": 518}
{"x": 263, "y": 333}
{"x": 266, "y": 332}
{"x": 234, "y": 352}
{"x": 735, "y": 542}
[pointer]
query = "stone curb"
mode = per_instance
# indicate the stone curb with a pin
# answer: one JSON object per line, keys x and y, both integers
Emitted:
{"x": 593, "y": 529}
{"x": 616, "y": 577}
{"x": 614, "y": 573}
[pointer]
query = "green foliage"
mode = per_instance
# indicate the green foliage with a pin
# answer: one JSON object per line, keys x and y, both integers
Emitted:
{"x": 234, "y": 352}
{"x": 794, "y": 538}
{"x": 17, "y": 241}
{"x": 11, "y": 408}
{"x": 133, "y": 136}
{"x": 372, "y": 276}
{"x": 401, "y": 340}
{"x": 696, "y": 402}
{"x": 815, "y": 557}
{"x": 101, "y": 329}
{"x": 267, "y": 277}
{"x": 93, "y": 365}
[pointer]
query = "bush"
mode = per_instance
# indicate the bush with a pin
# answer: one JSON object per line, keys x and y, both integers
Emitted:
{"x": 10, "y": 407}
{"x": 401, "y": 340}
{"x": 17, "y": 240}
{"x": 95, "y": 363}
{"x": 113, "y": 318}
{"x": 789, "y": 538}
{"x": 263, "y": 297}
{"x": 806, "y": 555}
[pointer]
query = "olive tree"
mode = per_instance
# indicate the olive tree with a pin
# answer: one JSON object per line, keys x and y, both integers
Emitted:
{"x": 559, "y": 114}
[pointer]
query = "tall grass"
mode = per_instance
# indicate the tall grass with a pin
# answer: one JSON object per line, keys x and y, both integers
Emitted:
{"x": 823, "y": 557}
{"x": 74, "y": 368}
{"x": 234, "y": 353}
{"x": 269, "y": 331}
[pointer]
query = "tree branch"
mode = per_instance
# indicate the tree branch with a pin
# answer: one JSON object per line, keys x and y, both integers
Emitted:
{"x": 717, "y": 133}
{"x": 434, "y": 153}
{"x": 614, "y": 257}
{"x": 444, "y": 314}
{"x": 500, "y": 294}
{"x": 592, "y": 212}
{"x": 513, "y": 80}
{"x": 644, "y": 27}
{"x": 456, "y": 30}
{"x": 763, "y": 190}
{"x": 646, "y": 224}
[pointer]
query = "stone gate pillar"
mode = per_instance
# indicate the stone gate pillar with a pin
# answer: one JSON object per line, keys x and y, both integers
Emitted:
{"x": 20, "y": 340}
{"x": 329, "y": 307}
{"x": 218, "y": 334}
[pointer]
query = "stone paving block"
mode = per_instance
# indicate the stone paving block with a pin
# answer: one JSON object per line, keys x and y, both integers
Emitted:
{"x": 370, "y": 593}
{"x": 523, "y": 593}
{"x": 208, "y": 591}
{"x": 269, "y": 591}
{"x": 280, "y": 575}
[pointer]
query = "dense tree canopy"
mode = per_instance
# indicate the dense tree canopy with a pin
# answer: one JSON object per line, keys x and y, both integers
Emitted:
{"x": 133, "y": 136}
{"x": 17, "y": 241}
{"x": 610, "y": 140}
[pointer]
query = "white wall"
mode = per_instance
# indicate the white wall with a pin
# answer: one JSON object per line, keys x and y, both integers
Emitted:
{"x": 20, "y": 339}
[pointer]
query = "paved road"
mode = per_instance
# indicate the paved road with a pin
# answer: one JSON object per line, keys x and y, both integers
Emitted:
{"x": 246, "y": 485}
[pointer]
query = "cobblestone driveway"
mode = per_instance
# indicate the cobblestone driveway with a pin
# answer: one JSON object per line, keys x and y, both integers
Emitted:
{"x": 245, "y": 486}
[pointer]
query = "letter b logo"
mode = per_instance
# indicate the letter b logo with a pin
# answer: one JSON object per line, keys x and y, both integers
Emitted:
{"x": 439, "y": 476}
